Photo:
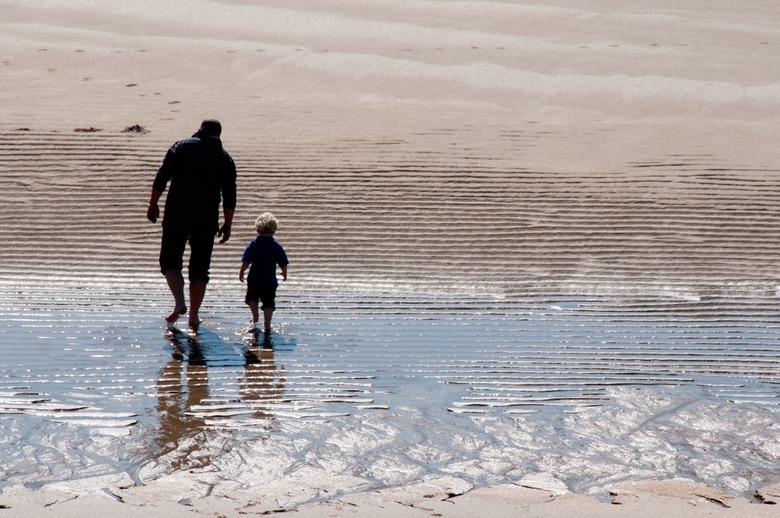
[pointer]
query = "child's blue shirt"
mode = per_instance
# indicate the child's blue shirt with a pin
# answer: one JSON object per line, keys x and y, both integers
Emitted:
{"x": 264, "y": 253}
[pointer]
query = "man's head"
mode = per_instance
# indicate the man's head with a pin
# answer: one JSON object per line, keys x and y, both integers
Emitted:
{"x": 212, "y": 127}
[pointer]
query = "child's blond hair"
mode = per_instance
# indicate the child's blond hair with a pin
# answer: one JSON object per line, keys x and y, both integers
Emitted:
{"x": 266, "y": 223}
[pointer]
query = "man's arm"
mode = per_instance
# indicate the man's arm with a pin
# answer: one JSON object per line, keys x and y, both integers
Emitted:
{"x": 224, "y": 231}
{"x": 153, "y": 210}
{"x": 228, "y": 200}
{"x": 161, "y": 179}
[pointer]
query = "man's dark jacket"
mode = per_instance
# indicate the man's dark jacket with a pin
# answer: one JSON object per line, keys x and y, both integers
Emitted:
{"x": 201, "y": 173}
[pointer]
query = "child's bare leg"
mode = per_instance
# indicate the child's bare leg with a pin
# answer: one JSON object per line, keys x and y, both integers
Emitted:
{"x": 175, "y": 282}
{"x": 255, "y": 313}
{"x": 267, "y": 315}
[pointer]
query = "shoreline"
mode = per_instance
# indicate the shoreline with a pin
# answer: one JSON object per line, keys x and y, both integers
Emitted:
{"x": 540, "y": 496}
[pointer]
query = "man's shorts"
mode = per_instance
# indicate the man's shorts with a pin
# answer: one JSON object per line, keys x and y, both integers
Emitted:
{"x": 265, "y": 295}
{"x": 172, "y": 252}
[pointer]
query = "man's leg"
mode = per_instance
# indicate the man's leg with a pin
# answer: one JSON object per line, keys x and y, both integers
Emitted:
{"x": 201, "y": 246}
{"x": 197, "y": 293}
{"x": 171, "y": 252}
{"x": 175, "y": 282}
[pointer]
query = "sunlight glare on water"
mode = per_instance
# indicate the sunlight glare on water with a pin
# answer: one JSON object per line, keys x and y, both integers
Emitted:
{"x": 588, "y": 390}
{"x": 526, "y": 323}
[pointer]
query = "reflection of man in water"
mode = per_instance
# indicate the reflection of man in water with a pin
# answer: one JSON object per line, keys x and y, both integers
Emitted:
{"x": 176, "y": 399}
{"x": 201, "y": 173}
{"x": 183, "y": 395}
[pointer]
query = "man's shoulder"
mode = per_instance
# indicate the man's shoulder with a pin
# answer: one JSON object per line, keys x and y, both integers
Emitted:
{"x": 185, "y": 142}
{"x": 199, "y": 145}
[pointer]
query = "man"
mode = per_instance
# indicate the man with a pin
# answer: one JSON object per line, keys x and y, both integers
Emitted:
{"x": 201, "y": 173}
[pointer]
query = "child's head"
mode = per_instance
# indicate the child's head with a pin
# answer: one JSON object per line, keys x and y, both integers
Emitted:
{"x": 266, "y": 223}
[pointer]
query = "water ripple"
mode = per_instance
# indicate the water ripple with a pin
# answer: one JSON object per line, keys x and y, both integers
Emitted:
{"x": 462, "y": 317}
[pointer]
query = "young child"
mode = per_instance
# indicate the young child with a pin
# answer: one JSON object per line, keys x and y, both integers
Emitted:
{"x": 264, "y": 253}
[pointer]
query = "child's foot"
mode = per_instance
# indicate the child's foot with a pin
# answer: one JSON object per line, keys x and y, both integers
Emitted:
{"x": 194, "y": 324}
{"x": 251, "y": 328}
{"x": 176, "y": 313}
{"x": 171, "y": 328}
{"x": 267, "y": 330}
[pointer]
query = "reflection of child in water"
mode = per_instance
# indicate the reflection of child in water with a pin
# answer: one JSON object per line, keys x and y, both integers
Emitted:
{"x": 264, "y": 253}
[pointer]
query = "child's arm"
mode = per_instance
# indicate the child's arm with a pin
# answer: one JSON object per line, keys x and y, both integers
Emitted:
{"x": 244, "y": 266}
{"x": 284, "y": 272}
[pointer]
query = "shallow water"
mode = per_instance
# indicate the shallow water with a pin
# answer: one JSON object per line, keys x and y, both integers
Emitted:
{"x": 386, "y": 389}
{"x": 594, "y": 327}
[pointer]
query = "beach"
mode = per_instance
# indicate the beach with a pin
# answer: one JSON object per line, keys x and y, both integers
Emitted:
{"x": 534, "y": 255}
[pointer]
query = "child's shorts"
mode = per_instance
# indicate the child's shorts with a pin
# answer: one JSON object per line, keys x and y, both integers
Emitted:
{"x": 267, "y": 296}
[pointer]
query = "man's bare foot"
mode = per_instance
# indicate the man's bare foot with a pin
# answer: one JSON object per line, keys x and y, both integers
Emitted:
{"x": 177, "y": 312}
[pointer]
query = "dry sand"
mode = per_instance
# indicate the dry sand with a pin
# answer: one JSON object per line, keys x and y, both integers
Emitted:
{"x": 670, "y": 498}
{"x": 661, "y": 108}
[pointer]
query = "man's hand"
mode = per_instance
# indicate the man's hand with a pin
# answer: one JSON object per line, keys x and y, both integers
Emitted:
{"x": 152, "y": 212}
{"x": 224, "y": 233}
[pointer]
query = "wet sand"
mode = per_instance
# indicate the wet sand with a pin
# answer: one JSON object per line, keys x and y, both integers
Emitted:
{"x": 534, "y": 256}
